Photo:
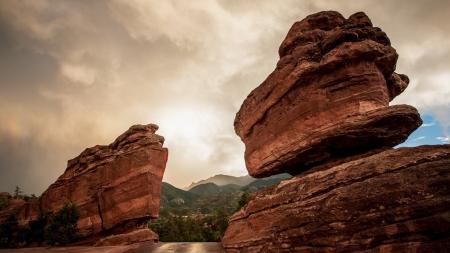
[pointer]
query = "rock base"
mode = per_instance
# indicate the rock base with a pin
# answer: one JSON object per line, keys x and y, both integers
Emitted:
{"x": 394, "y": 201}
{"x": 141, "y": 235}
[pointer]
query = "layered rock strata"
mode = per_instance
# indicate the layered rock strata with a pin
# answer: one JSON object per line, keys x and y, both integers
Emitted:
{"x": 323, "y": 116}
{"x": 334, "y": 74}
{"x": 141, "y": 235}
{"x": 116, "y": 187}
{"x": 394, "y": 201}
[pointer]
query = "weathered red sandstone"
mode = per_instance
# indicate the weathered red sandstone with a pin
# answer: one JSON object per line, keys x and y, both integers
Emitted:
{"x": 5, "y": 195}
{"x": 117, "y": 187}
{"x": 394, "y": 201}
{"x": 324, "y": 116}
{"x": 141, "y": 235}
{"x": 328, "y": 97}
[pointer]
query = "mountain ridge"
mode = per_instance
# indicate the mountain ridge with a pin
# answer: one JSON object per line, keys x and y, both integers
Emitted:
{"x": 221, "y": 180}
{"x": 208, "y": 197}
{"x": 211, "y": 189}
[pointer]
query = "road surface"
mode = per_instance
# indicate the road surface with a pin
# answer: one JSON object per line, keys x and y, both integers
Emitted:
{"x": 182, "y": 247}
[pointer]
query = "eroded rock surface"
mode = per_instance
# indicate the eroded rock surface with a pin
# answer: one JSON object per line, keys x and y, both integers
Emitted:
{"x": 334, "y": 75}
{"x": 117, "y": 187}
{"x": 394, "y": 201}
{"x": 141, "y": 235}
{"x": 324, "y": 116}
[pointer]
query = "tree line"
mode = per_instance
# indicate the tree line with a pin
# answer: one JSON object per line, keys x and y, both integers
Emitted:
{"x": 210, "y": 228}
{"x": 18, "y": 194}
{"x": 61, "y": 229}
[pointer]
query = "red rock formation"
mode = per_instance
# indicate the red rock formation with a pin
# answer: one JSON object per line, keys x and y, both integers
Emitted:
{"x": 5, "y": 195}
{"x": 333, "y": 75}
{"x": 141, "y": 235}
{"x": 323, "y": 115}
{"x": 117, "y": 187}
{"x": 394, "y": 201}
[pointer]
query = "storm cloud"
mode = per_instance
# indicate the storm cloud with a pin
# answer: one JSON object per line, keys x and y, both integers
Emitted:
{"x": 74, "y": 74}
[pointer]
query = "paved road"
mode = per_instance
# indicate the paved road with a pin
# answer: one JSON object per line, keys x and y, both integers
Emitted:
{"x": 182, "y": 247}
{"x": 77, "y": 249}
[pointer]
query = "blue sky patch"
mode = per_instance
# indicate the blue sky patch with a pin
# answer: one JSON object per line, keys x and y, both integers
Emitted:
{"x": 430, "y": 133}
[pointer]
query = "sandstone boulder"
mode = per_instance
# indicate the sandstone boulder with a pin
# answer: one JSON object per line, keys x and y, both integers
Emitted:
{"x": 140, "y": 235}
{"x": 117, "y": 187}
{"x": 394, "y": 201}
{"x": 5, "y": 195}
{"x": 335, "y": 75}
{"x": 323, "y": 115}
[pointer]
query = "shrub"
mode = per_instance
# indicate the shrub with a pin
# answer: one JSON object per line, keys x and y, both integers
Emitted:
{"x": 62, "y": 228}
{"x": 222, "y": 220}
{"x": 3, "y": 201}
{"x": 9, "y": 230}
{"x": 36, "y": 232}
{"x": 243, "y": 200}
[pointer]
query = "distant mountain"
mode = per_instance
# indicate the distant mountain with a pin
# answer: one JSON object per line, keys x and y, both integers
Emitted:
{"x": 208, "y": 197}
{"x": 170, "y": 192}
{"x": 263, "y": 183}
{"x": 211, "y": 189}
{"x": 222, "y": 180}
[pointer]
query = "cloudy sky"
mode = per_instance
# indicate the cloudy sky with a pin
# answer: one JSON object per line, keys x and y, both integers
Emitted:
{"x": 74, "y": 74}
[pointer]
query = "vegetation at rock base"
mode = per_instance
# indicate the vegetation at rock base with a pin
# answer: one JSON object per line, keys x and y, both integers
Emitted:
{"x": 60, "y": 230}
{"x": 243, "y": 200}
{"x": 36, "y": 233}
{"x": 9, "y": 232}
{"x": 3, "y": 201}
{"x": 201, "y": 214}
{"x": 18, "y": 194}
{"x": 210, "y": 228}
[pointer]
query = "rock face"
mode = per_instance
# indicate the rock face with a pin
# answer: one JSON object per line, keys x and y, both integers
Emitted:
{"x": 117, "y": 187}
{"x": 394, "y": 201}
{"x": 141, "y": 235}
{"x": 334, "y": 75}
{"x": 323, "y": 116}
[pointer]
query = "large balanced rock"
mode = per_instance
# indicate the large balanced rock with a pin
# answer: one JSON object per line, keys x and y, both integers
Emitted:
{"x": 327, "y": 98}
{"x": 394, "y": 201}
{"x": 116, "y": 187}
{"x": 323, "y": 115}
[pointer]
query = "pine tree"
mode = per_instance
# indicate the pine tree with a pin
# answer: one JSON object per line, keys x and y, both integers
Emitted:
{"x": 9, "y": 229}
{"x": 243, "y": 200}
{"x": 62, "y": 228}
{"x": 18, "y": 193}
{"x": 195, "y": 232}
{"x": 36, "y": 232}
{"x": 222, "y": 221}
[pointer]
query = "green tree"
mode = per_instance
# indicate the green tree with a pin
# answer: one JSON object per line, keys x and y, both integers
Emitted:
{"x": 31, "y": 198}
{"x": 195, "y": 231}
{"x": 157, "y": 226}
{"x": 171, "y": 231}
{"x": 18, "y": 193}
{"x": 9, "y": 230}
{"x": 36, "y": 232}
{"x": 243, "y": 200}
{"x": 208, "y": 234}
{"x": 3, "y": 201}
{"x": 221, "y": 221}
{"x": 62, "y": 228}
